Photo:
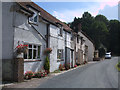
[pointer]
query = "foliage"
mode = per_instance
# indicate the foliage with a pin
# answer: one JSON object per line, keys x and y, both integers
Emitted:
{"x": 118, "y": 66}
{"x": 37, "y": 75}
{"x": 101, "y": 52}
{"x": 47, "y": 64}
{"x": 28, "y": 75}
{"x": 61, "y": 67}
{"x": 47, "y": 51}
{"x": 114, "y": 36}
{"x": 21, "y": 48}
{"x": 100, "y": 30}
{"x": 101, "y": 18}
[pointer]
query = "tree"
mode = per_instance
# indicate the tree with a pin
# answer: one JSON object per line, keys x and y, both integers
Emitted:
{"x": 86, "y": 22}
{"x": 114, "y": 31}
{"x": 98, "y": 33}
{"x": 47, "y": 64}
{"x": 101, "y": 18}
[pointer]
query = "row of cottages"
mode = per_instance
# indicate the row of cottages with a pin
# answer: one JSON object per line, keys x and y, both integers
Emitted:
{"x": 27, "y": 23}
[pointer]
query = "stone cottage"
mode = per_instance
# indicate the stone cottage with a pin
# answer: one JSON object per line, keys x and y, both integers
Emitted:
{"x": 84, "y": 47}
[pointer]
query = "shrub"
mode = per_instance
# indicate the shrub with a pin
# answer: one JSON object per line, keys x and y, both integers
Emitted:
{"x": 118, "y": 64}
{"x": 101, "y": 52}
{"x": 47, "y": 65}
{"x": 61, "y": 67}
{"x": 37, "y": 75}
{"x": 43, "y": 73}
{"x": 28, "y": 75}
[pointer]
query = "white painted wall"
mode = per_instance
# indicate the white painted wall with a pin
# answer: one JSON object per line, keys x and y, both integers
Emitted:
{"x": 56, "y": 42}
{"x": 90, "y": 45}
{"x": 25, "y": 33}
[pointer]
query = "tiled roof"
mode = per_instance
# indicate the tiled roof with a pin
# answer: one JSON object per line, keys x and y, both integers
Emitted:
{"x": 44, "y": 14}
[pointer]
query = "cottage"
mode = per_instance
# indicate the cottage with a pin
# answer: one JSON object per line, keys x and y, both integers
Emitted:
{"x": 84, "y": 49}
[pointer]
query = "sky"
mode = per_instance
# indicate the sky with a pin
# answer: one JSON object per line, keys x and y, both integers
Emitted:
{"x": 67, "y": 11}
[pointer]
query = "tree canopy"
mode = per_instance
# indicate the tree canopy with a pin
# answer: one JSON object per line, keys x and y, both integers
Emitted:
{"x": 103, "y": 32}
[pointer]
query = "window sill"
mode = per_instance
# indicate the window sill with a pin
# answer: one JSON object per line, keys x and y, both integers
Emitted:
{"x": 31, "y": 60}
{"x": 59, "y": 60}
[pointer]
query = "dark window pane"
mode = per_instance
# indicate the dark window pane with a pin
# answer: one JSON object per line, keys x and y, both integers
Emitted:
{"x": 38, "y": 52}
{"x": 34, "y": 54}
{"x": 34, "y": 46}
{"x": 35, "y": 18}
{"x": 30, "y": 46}
{"x": 30, "y": 54}
{"x": 25, "y": 55}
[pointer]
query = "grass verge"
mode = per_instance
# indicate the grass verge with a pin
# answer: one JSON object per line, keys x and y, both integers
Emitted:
{"x": 117, "y": 66}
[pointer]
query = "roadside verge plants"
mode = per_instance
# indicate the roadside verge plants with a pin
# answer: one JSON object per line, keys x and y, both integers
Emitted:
{"x": 118, "y": 66}
{"x": 28, "y": 75}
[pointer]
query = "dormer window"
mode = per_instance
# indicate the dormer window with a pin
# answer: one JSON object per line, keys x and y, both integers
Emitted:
{"x": 34, "y": 18}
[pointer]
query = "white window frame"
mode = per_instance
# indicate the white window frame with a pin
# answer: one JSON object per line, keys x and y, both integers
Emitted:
{"x": 34, "y": 15}
{"x": 37, "y": 45}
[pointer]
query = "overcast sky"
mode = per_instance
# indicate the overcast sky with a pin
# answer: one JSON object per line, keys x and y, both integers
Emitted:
{"x": 66, "y": 11}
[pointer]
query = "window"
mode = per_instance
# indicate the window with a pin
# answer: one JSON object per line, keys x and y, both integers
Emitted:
{"x": 34, "y": 18}
{"x": 60, "y": 54}
{"x": 33, "y": 52}
{"x": 60, "y": 31}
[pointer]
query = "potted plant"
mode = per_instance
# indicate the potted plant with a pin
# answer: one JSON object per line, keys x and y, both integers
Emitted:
{"x": 20, "y": 49}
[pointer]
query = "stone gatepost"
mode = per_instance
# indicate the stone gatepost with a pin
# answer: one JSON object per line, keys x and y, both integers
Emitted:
{"x": 19, "y": 68}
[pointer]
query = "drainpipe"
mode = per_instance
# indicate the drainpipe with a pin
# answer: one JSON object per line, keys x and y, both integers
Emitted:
{"x": 47, "y": 36}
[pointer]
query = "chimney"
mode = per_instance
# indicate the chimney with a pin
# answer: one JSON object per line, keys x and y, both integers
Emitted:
{"x": 79, "y": 27}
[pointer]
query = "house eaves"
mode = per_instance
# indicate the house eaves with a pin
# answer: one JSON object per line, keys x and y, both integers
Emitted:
{"x": 45, "y": 15}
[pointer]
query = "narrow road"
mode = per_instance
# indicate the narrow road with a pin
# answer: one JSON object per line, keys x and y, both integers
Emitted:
{"x": 102, "y": 74}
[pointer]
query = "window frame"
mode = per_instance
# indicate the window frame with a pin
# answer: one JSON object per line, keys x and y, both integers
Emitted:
{"x": 36, "y": 13}
{"x": 61, "y": 58}
{"x": 33, "y": 17}
{"x": 37, "y": 45}
{"x": 60, "y": 30}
